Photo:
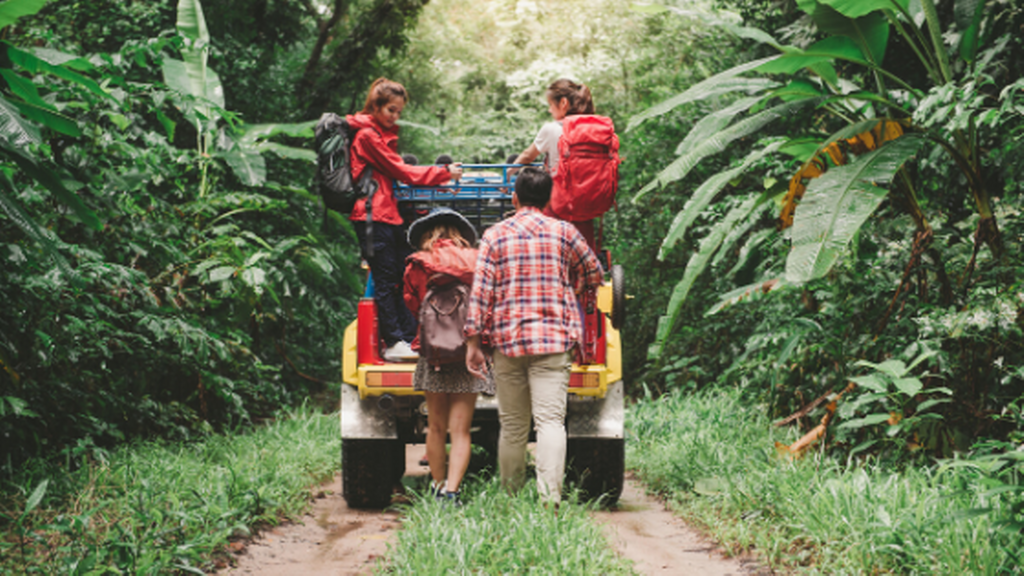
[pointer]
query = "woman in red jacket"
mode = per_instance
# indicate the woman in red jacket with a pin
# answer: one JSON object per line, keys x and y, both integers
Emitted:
{"x": 445, "y": 239}
{"x": 375, "y": 146}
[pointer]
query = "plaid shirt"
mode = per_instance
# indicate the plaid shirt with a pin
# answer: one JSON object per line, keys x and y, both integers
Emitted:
{"x": 528, "y": 272}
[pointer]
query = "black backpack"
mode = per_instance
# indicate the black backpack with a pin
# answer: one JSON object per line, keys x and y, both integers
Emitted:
{"x": 334, "y": 169}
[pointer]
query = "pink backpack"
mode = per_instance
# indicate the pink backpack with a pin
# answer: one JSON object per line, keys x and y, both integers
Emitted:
{"x": 587, "y": 176}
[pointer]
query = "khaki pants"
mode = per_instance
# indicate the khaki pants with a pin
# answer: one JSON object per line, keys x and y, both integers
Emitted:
{"x": 532, "y": 386}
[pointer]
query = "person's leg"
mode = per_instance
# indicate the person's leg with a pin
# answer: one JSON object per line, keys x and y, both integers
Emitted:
{"x": 549, "y": 386}
{"x": 513, "y": 394}
{"x": 437, "y": 433}
{"x": 388, "y": 266}
{"x": 460, "y": 417}
{"x": 586, "y": 228}
{"x": 409, "y": 320}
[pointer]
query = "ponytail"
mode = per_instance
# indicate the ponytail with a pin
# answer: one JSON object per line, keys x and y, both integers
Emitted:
{"x": 381, "y": 92}
{"x": 580, "y": 100}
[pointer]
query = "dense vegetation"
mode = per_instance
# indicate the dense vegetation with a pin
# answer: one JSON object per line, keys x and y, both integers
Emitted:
{"x": 814, "y": 193}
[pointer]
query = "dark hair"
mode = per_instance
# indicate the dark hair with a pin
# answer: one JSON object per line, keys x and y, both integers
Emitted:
{"x": 533, "y": 187}
{"x": 511, "y": 159}
{"x": 580, "y": 101}
{"x": 443, "y": 159}
{"x": 410, "y": 159}
{"x": 381, "y": 92}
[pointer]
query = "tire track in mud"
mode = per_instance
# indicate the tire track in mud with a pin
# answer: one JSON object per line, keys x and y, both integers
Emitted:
{"x": 333, "y": 539}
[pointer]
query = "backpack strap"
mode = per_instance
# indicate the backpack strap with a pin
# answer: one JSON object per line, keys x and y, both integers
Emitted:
{"x": 369, "y": 185}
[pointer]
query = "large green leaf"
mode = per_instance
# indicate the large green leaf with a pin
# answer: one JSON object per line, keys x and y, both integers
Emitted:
{"x": 15, "y": 129}
{"x": 191, "y": 22}
{"x": 286, "y": 151}
{"x": 722, "y": 83}
{"x": 968, "y": 15}
{"x": 24, "y": 88}
{"x": 192, "y": 79}
{"x": 12, "y": 10}
{"x": 698, "y": 262}
{"x": 36, "y": 65}
{"x": 858, "y": 8}
{"x": 51, "y": 182}
{"x": 870, "y": 32}
{"x": 714, "y": 122}
{"x": 191, "y": 75}
{"x": 704, "y": 194}
{"x": 831, "y": 48}
{"x": 49, "y": 118}
{"x": 717, "y": 143}
{"x": 837, "y": 203}
{"x": 247, "y": 164}
{"x": 251, "y": 133}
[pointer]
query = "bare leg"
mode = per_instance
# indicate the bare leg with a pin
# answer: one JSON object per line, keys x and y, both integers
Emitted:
{"x": 460, "y": 417}
{"x": 437, "y": 433}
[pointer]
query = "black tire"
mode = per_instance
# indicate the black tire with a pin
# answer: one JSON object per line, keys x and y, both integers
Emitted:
{"x": 597, "y": 467}
{"x": 618, "y": 315}
{"x": 368, "y": 471}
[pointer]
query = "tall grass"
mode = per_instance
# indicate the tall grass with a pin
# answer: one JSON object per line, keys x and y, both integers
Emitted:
{"x": 496, "y": 533}
{"x": 714, "y": 457}
{"x": 153, "y": 508}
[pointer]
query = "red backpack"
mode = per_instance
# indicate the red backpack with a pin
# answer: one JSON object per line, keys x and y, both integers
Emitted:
{"x": 587, "y": 176}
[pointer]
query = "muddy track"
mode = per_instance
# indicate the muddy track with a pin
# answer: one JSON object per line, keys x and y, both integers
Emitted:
{"x": 336, "y": 540}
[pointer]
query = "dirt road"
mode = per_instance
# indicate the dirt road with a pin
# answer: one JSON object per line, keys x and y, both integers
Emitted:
{"x": 335, "y": 540}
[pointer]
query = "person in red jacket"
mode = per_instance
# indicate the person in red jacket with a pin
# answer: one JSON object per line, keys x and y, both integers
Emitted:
{"x": 376, "y": 146}
{"x": 445, "y": 241}
{"x": 565, "y": 98}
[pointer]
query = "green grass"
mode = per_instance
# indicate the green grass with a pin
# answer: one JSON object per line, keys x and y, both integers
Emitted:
{"x": 496, "y": 533}
{"x": 153, "y": 508}
{"x": 714, "y": 457}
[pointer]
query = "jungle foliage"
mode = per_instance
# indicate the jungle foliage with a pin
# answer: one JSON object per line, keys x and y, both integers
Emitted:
{"x": 864, "y": 219}
{"x": 166, "y": 270}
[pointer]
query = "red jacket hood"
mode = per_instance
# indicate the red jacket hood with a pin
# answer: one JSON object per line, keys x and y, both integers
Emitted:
{"x": 360, "y": 121}
{"x": 447, "y": 258}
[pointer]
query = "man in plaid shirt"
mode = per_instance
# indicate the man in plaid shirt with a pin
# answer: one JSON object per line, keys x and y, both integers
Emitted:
{"x": 528, "y": 271}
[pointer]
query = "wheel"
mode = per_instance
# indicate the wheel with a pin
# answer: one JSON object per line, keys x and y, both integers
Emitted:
{"x": 618, "y": 296}
{"x": 596, "y": 466}
{"x": 368, "y": 469}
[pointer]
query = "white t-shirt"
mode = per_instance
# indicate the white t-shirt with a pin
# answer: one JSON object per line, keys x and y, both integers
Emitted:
{"x": 547, "y": 142}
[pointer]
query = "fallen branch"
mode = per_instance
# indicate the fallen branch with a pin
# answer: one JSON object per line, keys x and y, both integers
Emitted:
{"x": 797, "y": 449}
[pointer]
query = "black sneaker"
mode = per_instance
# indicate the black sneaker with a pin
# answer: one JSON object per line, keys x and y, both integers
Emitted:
{"x": 453, "y": 499}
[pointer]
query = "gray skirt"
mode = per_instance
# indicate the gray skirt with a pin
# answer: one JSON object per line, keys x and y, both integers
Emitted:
{"x": 451, "y": 378}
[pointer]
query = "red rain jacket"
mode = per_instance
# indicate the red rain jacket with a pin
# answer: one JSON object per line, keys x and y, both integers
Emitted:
{"x": 377, "y": 147}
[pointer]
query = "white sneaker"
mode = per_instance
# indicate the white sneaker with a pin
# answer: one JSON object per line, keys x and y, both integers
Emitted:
{"x": 399, "y": 352}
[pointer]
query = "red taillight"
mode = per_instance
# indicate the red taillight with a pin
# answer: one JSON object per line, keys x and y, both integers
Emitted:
{"x": 578, "y": 380}
{"x": 389, "y": 379}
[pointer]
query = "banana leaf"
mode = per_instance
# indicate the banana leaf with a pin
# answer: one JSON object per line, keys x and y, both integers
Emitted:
{"x": 14, "y": 128}
{"x": 704, "y": 194}
{"x": 679, "y": 168}
{"x": 252, "y": 133}
{"x": 837, "y": 204}
{"x": 247, "y": 164}
{"x": 854, "y": 8}
{"x": 12, "y": 10}
{"x": 698, "y": 262}
{"x": 48, "y": 118}
{"x": 35, "y": 65}
{"x": 722, "y": 83}
{"x": 714, "y": 122}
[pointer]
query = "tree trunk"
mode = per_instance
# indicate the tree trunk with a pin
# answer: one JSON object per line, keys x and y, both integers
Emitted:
{"x": 325, "y": 27}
